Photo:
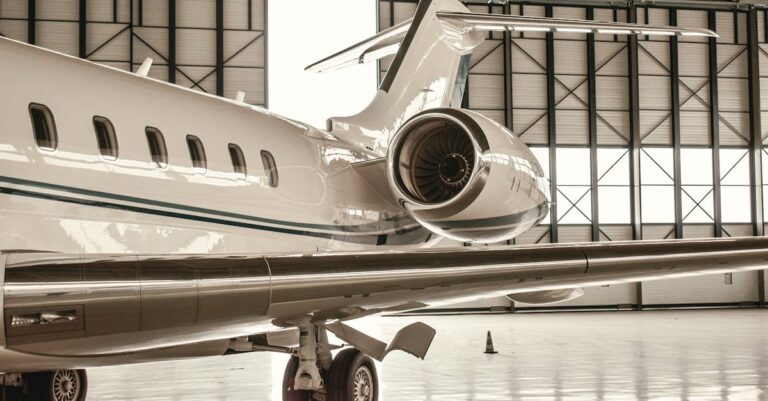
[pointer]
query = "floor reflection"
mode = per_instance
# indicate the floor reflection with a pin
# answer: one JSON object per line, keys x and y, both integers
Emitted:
{"x": 664, "y": 355}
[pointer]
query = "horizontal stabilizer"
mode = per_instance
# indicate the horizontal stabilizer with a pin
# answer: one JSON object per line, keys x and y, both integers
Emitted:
{"x": 380, "y": 45}
{"x": 388, "y": 41}
{"x": 491, "y": 22}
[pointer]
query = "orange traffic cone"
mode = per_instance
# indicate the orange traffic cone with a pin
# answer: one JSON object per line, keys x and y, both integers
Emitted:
{"x": 489, "y": 344}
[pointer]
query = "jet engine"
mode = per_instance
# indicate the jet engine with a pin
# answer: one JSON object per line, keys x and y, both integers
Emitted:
{"x": 463, "y": 176}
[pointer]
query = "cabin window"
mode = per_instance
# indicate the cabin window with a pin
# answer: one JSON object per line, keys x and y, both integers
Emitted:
{"x": 238, "y": 160}
{"x": 157, "y": 148}
{"x": 105, "y": 135}
{"x": 269, "y": 167}
{"x": 197, "y": 153}
{"x": 44, "y": 126}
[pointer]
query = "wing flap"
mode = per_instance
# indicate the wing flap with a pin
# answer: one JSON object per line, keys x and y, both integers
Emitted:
{"x": 492, "y": 22}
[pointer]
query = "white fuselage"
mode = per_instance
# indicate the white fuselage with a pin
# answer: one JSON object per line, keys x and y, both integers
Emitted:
{"x": 72, "y": 199}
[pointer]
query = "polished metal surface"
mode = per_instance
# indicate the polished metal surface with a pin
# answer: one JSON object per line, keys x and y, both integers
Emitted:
{"x": 152, "y": 303}
{"x": 624, "y": 356}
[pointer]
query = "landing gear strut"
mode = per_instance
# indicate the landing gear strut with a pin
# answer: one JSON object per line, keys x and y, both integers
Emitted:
{"x": 312, "y": 374}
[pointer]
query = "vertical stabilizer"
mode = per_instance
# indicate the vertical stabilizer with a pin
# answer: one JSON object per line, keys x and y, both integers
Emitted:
{"x": 428, "y": 71}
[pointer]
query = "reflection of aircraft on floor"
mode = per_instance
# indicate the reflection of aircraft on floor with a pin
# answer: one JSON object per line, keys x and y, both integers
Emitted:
{"x": 143, "y": 221}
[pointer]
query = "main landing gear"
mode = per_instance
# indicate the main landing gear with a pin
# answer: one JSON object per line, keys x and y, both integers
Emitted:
{"x": 352, "y": 377}
{"x": 59, "y": 385}
{"x": 312, "y": 374}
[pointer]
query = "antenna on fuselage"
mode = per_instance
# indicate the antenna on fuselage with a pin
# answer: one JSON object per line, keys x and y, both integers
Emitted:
{"x": 240, "y": 97}
{"x": 145, "y": 66}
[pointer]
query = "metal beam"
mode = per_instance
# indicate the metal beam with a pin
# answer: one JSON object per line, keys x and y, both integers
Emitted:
{"x": 172, "y": 41}
{"x": 265, "y": 25}
{"x": 31, "y": 19}
{"x": 551, "y": 128}
{"x": 81, "y": 25}
{"x": 220, "y": 47}
{"x": 508, "y": 93}
{"x": 592, "y": 115}
{"x": 130, "y": 36}
{"x": 633, "y": 68}
{"x": 714, "y": 124}
{"x": 674, "y": 78}
{"x": 756, "y": 138}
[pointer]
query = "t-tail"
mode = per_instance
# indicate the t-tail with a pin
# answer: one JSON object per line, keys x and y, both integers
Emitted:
{"x": 431, "y": 62}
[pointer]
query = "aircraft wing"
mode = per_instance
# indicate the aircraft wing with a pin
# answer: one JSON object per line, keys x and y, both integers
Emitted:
{"x": 73, "y": 305}
{"x": 388, "y": 41}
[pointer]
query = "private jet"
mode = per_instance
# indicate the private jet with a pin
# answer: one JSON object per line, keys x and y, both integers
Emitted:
{"x": 142, "y": 221}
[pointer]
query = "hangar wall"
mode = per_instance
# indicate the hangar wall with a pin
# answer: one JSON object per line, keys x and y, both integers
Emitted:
{"x": 641, "y": 138}
{"x": 213, "y": 46}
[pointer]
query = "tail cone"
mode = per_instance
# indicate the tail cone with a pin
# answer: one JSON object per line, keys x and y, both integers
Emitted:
{"x": 489, "y": 344}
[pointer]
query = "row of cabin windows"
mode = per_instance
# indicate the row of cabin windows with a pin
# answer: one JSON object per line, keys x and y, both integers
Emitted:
{"x": 44, "y": 127}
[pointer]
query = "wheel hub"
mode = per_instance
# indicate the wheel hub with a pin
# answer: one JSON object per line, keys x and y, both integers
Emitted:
{"x": 65, "y": 385}
{"x": 363, "y": 384}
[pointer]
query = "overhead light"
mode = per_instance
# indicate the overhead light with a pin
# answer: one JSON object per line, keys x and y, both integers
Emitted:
{"x": 614, "y": 31}
{"x": 662, "y": 33}
{"x": 532, "y": 28}
{"x": 573, "y": 30}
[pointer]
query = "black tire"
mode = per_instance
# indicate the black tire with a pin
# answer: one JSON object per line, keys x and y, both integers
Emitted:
{"x": 340, "y": 382}
{"x": 289, "y": 377}
{"x": 49, "y": 386}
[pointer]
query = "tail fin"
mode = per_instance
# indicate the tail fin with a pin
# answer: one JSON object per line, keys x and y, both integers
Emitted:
{"x": 428, "y": 71}
{"x": 431, "y": 65}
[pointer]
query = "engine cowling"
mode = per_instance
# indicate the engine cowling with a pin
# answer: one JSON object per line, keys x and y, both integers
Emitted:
{"x": 463, "y": 176}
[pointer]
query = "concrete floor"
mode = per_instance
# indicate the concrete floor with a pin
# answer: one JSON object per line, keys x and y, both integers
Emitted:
{"x": 658, "y": 355}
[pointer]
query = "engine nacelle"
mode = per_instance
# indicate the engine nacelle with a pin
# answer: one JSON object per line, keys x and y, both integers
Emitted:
{"x": 463, "y": 176}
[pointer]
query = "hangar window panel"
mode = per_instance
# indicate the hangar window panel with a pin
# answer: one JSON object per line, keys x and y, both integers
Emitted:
{"x": 696, "y": 179}
{"x": 197, "y": 153}
{"x": 574, "y": 194}
{"x": 734, "y": 185}
{"x": 238, "y": 160}
{"x": 157, "y": 148}
{"x": 613, "y": 185}
{"x": 105, "y": 137}
{"x": 657, "y": 185}
{"x": 43, "y": 126}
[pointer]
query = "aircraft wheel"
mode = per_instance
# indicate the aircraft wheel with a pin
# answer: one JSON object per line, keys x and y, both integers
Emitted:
{"x": 289, "y": 378}
{"x": 59, "y": 385}
{"x": 352, "y": 377}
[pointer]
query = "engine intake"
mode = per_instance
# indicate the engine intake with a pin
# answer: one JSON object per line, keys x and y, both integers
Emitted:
{"x": 463, "y": 176}
{"x": 435, "y": 159}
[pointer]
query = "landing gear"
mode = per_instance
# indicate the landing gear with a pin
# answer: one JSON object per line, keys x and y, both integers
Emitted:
{"x": 352, "y": 377}
{"x": 59, "y": 385}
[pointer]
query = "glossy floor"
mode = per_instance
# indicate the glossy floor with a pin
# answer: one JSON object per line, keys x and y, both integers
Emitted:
{"x": 660, "y": 355}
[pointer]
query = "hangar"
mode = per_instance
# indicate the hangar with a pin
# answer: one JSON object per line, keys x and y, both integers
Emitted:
{"x": 640, "y": 137}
